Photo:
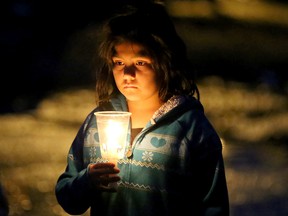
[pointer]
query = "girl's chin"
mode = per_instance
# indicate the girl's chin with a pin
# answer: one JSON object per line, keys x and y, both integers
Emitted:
{"x": 132, "y": 97}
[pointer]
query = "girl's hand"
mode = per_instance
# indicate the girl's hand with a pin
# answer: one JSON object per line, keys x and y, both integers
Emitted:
{"x": 101, "y": 174}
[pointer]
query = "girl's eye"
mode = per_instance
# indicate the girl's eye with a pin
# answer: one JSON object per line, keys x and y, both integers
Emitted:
{"x": 140, "y": 63}
{"x": 118, "y": 63}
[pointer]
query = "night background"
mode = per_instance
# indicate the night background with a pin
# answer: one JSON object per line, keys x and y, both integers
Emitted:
{"x": 239, "y": 50}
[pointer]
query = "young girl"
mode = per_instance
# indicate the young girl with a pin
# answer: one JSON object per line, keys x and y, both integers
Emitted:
{"x": 173, "y": 163}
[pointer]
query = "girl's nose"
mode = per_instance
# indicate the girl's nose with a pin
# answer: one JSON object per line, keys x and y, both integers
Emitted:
{"x": 130, "y": 71}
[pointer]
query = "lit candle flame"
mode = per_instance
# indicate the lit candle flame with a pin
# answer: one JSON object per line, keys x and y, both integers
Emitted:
{"x": 114, "y": 133}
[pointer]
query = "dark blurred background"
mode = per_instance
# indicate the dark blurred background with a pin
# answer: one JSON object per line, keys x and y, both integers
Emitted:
{"x": 48, "y": 45}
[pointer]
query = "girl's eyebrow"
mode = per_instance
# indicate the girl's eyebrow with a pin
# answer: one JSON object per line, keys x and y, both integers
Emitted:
{"x": 141, "y": 53}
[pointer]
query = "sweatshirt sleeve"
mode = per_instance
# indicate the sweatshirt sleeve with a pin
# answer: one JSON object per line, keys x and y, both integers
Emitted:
{"x": 209, "y": 162}
{"x": 216, "y": 200}
{"x": 72, "y": 189}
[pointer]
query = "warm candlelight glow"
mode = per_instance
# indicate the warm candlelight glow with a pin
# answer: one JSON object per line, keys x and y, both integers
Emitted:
{"x": 115, "y": 135}
{"x": 112, "y": 130}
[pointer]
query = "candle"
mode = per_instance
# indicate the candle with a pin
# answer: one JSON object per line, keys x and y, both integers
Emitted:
{"x": 112, "y": 130}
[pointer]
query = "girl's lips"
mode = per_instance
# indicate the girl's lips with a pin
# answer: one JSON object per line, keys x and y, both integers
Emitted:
{"x": 129, "y": 86}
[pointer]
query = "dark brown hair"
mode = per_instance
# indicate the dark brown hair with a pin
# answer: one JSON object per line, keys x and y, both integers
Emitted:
{"x": 150, "y": 26}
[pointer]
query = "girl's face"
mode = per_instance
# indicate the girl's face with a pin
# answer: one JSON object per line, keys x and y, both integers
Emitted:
{"x": 133, "y": 73}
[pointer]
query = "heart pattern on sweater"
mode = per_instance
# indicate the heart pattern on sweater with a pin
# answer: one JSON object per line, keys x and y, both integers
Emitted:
{"x": 157, "y": 142}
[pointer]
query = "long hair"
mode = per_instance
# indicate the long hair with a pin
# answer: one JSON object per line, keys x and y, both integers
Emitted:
{"x": 150, "y": 26}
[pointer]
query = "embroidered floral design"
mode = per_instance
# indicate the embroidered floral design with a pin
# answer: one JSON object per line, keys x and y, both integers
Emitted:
{"x": 147, "y": 156}
{"x": 92, "y": 154}
{"x": 169, "y": 105}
